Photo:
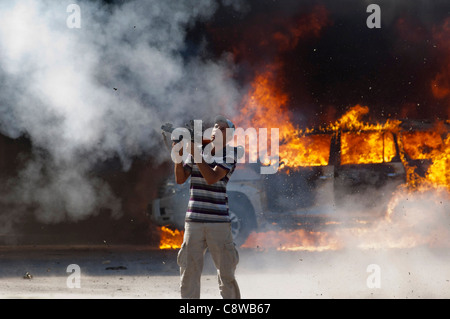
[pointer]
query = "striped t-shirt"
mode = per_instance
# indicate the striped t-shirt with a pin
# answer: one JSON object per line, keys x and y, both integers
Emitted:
{"x": 209, "y": 203}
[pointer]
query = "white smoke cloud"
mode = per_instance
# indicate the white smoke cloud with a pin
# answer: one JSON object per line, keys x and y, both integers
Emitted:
{"x": 413, "y": 218}
{"x": 408, "y": 249}
{"x": 100, "y": 91}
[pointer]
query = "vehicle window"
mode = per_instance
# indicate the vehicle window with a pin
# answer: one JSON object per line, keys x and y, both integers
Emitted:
{"x": 310, "y": 150}
{"x": 367, "y": 147}
{"x": 422, "y": 144}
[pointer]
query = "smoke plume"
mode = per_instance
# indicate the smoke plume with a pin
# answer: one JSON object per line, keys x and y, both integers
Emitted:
{"x": 85, "y": 95}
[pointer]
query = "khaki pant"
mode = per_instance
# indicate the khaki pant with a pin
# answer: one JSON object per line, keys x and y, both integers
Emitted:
{"x": 219, "y": 241}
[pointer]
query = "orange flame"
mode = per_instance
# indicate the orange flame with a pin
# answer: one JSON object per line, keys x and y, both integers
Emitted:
{"x": 366, "y": 148}
{"x": 429, "y": 146}
{"x": 422, "y": 144}
{"x": 170, "y": 239}
{"x": 265, "y": 106}
{"x": 439, "y": 172}
{"x": 297, "y": 240}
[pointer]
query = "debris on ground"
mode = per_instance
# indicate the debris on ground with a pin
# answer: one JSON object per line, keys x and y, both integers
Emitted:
{"x": 116, "y": 268}
{"x": 27, "y": 276}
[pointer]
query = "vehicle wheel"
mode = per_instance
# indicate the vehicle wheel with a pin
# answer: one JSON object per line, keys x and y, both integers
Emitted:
{"x": 242, "y": 216}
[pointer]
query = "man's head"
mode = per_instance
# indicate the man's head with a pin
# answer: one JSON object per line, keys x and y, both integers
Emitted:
{"x": 225, "y": 127}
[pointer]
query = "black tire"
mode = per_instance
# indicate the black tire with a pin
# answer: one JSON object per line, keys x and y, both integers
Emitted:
{"x": 243, "y": 219}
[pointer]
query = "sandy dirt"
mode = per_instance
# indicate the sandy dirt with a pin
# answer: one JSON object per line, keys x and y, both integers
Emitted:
{"x": 141, "y": 272}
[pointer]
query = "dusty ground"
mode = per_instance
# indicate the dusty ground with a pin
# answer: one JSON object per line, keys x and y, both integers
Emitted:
{"x": 142, "y": 272}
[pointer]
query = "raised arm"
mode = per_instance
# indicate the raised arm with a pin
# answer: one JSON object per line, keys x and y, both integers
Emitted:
{"x": 181, "y": 173}
{"x": 211, "y": 175}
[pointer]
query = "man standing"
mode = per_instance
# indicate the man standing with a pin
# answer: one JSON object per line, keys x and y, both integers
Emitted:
{"x": 207, "y": 223}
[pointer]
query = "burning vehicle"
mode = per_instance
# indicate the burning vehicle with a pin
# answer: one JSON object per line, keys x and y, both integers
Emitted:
{"x": 340, "y": 166}
{"x": 324, "y": 177}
